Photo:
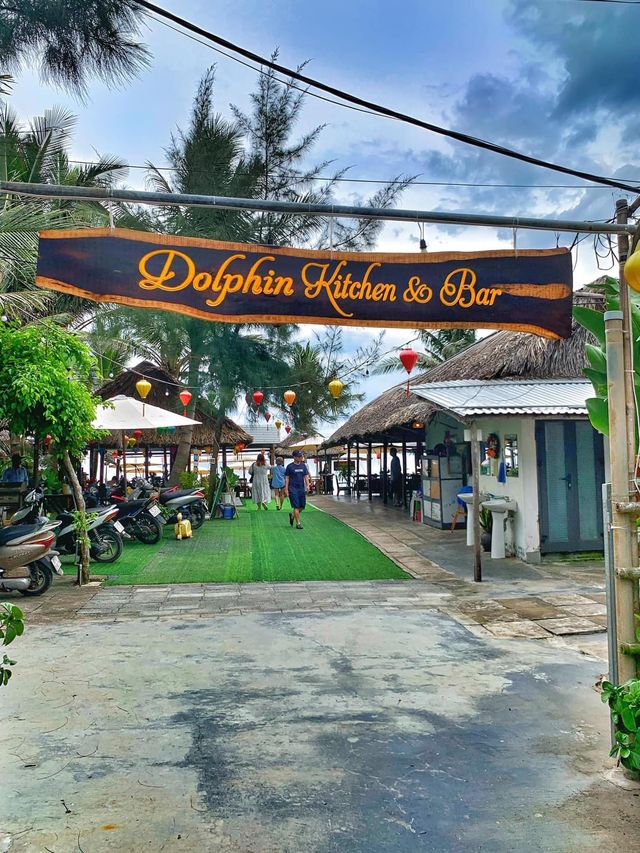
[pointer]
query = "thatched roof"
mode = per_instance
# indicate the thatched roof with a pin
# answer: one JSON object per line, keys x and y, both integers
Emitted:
{"x": 501, "y": 355}
{"x": 161, "y": 381}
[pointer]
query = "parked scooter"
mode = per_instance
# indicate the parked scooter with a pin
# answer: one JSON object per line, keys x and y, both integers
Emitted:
{"x": 141, "y": 518}
{"x": 27, "y": 563}
{"x": 105, "y": 538}
{"x": 190, "y": 503}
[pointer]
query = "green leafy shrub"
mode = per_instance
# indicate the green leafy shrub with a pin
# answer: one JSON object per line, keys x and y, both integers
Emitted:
{"x": 11, "y": 626}
{"x": 624, "y": 702}
{"x": 189, "y": 479}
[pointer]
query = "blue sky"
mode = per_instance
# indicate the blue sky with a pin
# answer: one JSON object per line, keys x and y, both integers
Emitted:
{"x": 554, "y": 78}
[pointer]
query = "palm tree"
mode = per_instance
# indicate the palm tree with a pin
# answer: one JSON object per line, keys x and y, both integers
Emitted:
{"x": 37, "y": 152}
{"x": 439, "y": 346}
{"x": 72, "y": 40}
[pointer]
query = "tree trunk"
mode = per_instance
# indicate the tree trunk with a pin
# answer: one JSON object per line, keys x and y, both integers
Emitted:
{"x": 186, "y": 433}
{"x": 83, "y": 569}
{"x": 182, "y": 455}
{"x": 15, "y": 443}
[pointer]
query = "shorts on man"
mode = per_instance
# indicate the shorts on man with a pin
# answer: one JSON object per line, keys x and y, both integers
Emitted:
{"x": 297, "y": 498}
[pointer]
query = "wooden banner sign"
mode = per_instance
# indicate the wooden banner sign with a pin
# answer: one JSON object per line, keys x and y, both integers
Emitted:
{"x": 529, "y": 290}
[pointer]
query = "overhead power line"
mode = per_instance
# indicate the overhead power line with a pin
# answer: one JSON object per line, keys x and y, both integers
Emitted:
{"x": 382, "y": 110}
{"x": 340, "y": 180}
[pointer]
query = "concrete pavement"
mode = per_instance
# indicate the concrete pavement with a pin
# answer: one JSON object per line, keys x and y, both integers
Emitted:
{"x": 371, "y": 729}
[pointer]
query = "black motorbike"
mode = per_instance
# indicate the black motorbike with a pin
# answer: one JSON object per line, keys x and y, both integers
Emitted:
{"x": 141, "y": 518}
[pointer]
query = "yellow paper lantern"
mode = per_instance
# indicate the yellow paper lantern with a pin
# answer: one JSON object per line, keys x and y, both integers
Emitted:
{"x": 143, "y": 386}
{"x": 335, "y": 388}
{"x": 278, "y": 423}
{"x": 289, "y": 397}
{"x": 632, "y": 270}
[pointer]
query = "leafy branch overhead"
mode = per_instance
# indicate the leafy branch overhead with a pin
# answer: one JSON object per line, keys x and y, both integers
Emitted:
{"x": 593, "y": 321}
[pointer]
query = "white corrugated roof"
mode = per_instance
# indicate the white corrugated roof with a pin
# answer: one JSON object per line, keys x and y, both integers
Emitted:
{"x": 263, "y": 434}
{"x": 468, "y": 397}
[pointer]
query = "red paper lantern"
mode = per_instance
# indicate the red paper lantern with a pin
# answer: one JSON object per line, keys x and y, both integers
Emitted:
{"x": 267, "y": 416}
{"x": 137, "y": 434}
{"x": 409, "y": 359}
{"x": 185, "y": 399}
{"x": 287, "y": 429}
{"x": 47, "y": 440}
{"x": 258, "y": 397}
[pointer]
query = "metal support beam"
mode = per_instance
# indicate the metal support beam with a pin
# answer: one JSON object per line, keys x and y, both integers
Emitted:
{"x": 348, "y": 468}
{"x": 369, "y": 471}
{"x": 475, "y": 506}
{"x": 357, "y": 470}
{"x": 404, "y": 473}
{"x": 106, "y": 194}
{"x": 383, "y": 473}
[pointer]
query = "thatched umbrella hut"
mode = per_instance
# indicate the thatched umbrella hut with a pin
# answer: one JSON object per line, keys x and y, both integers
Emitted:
{"x": 164, "y": 393}
{"x": 396, "y": 417}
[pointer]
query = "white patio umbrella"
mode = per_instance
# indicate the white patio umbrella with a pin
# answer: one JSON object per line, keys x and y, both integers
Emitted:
{"x": 125, "y": 413}
{"x": 309, "y": 444}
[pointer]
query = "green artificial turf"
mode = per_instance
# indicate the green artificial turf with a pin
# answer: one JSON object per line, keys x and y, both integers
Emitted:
{"x": 257, "y": 546}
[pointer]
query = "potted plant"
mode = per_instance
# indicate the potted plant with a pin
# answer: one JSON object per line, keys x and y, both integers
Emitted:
{"x": 624, "y": 702}
{"x": 486, "y": 525}
{"x": 229, "y": 497}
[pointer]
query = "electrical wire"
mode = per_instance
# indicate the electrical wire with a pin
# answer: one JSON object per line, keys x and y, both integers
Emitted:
{"x": 338, "y": 180}
{"x": 379, "y": 109}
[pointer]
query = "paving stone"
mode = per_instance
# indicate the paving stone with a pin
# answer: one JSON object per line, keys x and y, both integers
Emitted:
{"x": 516, "y": 630}
{"x": 531, "y": 607}
{"x": 597, "y": 596}
{"x": 563, "y": 599}
{"x": 570, "y": 625}
{"x": 599, "y": 620}
{"x": 593, "y": 609}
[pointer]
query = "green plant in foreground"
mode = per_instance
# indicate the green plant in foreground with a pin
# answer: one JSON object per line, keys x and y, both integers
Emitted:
{"x": 189, "y": 479}
{"x": 11, "y": 626}
{"x": 624, "y": 702}
{"x": 486, "y": 519}
{"x": 231, "y": 477}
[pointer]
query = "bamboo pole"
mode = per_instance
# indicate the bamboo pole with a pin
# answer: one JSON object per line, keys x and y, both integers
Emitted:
{"x": 625, "y": 550}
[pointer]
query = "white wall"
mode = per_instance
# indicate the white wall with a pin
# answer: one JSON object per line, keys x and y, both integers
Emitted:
{"x": 522, "y": 529}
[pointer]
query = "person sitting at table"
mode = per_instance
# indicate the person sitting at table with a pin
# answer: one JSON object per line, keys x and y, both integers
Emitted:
{"x": 17, "y": 473}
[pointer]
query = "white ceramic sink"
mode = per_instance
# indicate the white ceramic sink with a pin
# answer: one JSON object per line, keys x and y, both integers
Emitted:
{"x": 467, "y": 498}
{"x": 499, "y": 507}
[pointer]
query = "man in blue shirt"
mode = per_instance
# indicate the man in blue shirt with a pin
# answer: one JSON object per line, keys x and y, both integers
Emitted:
{"x": 17, "y": 473}
{"x": 296, "y": 486}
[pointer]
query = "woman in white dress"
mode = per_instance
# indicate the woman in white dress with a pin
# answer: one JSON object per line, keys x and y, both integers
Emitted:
{"x": 260, "y": 487}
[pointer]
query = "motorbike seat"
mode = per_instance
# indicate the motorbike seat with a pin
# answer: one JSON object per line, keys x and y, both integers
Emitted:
{"x": 128, "y": 506}
{"x": 180, "y": 493}
{"x": 15, "y": 532}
